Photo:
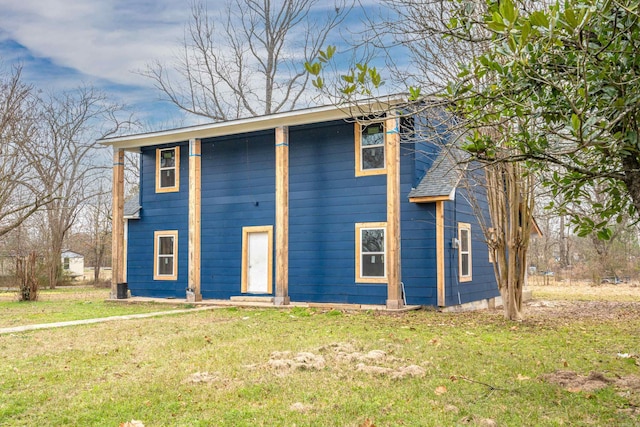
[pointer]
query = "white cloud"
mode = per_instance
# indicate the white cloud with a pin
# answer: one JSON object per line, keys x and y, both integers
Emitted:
{"x": 65, "y": 43}
{"x": 100, "y": 39}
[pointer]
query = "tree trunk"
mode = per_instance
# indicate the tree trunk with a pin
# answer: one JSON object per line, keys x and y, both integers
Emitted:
{"x": 55, "y": 272}
{"x": 55, "y": 255}
{"x": 564, "y": 250}
{"x": 26, "y": 275}
{"x": 99, "y": 255}
{"x": 96, "y": 273}
{"x": 510, "y": 203}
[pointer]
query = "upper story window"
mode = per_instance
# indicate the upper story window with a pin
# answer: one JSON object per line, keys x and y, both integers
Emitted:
{"x": 464, "y": 252}
{"x": 167, "y": 170}
{"x": 370, "y": 149}
{"x": 371, "y": 251}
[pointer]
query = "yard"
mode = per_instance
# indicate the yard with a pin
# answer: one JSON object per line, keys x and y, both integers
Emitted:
{"x": 574, "y": 361}
{"x": 67, "y": 303}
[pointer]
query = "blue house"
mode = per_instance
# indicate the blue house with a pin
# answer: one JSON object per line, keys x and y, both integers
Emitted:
{"x": 322, "y": 205}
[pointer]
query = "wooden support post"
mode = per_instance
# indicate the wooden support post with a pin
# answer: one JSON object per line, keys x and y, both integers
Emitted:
{"x": 282, "y": 216}
{"x": 393, "y": 261}
{"x": 117, "y": 226}
{"x": 195, "y": 161}
{"x": 440, "y": 271}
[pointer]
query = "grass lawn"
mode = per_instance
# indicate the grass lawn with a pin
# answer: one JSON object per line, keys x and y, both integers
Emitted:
{"x": 302, "y": 367}
{"x": 67, "y": 303}
{"x": 568, "y": 290}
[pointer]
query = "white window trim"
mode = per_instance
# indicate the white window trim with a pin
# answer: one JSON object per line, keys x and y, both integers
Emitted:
{"x": 156, "y": 254}
{"x": 360, "y": 171}
{"x": 358, "y": 240}
{"x": 463, "y": 226}
{"x": 159, "y": 169}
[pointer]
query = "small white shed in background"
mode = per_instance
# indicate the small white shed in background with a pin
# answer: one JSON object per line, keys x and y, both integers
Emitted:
{"x": 73, "y": 264}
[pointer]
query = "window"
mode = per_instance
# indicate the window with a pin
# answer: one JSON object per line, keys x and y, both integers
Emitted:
{"x": 166, "y": 255}
{"x": 65, "y": 265}
{"x": 464, "y": 252}
{"x": 167, "y": 170}
{"x": 370, "y": 252}
{"x": 370, "y": 146}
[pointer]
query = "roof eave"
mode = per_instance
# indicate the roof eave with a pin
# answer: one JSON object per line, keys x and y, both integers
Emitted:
{"x": 431, "y": 199}
{"x": 254, "y": 124}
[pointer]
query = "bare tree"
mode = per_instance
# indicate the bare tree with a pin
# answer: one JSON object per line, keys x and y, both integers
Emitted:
{"x": 100, "y": 231}
{"x": 248, "y": 59}
{"x": 20, "y": 195}
{"x": 69, "y": 162}
{"x": 438, "y": 39}
{"x": 91, "y": 234}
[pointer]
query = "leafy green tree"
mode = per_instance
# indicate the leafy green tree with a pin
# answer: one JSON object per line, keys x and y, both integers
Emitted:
{"x": 564, "y": 82}
{"x": 435, "y": 47}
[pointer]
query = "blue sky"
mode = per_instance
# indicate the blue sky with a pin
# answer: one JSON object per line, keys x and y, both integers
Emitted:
{"x": 62, "y": 44}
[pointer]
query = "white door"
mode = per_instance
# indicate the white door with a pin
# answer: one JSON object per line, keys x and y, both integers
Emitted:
{"x": 258, "y": 263}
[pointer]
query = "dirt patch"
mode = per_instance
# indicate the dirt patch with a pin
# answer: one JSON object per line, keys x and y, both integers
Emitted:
{"x": 285, "y": 361}
{"x": 574, "y": 382}
{"x": 203, "y": 377}
{"x": 343, "y": 357}
{"x": 210, "y": 378}
{"x": 300, "y": 407}
{"x": 478, "y": 421}
{"x": 395, "y": 373}
{"x": 371, "y": 356}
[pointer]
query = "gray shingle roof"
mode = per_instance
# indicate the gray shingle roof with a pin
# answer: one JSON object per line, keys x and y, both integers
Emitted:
{"x": 443, "y": 176}
{"x": 132, "y": 207}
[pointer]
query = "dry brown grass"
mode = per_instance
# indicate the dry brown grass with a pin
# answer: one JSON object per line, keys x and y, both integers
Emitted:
{"x": 584, "y": 290}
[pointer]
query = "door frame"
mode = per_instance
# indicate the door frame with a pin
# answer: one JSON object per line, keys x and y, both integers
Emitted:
{"x": 246, "y": 231}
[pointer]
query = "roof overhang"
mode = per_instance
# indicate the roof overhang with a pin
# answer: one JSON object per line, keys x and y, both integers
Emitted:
{"x": 438, "y": 198}
{"x": 254, "y": 124}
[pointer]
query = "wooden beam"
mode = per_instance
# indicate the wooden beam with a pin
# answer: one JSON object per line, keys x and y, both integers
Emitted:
{"x": 393, "y": 261}
{"x": 430, "y": 199}
{"x": 195, "y": 161}
{"x": 440, "y": 271}
{"x": 282, "y": 216}
{"x": 117, "y": 227}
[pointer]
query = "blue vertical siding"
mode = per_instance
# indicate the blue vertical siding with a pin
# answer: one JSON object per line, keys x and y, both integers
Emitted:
{"x": 418, "y": 232}
{"x": 160, "y": 211}
{"x": 483, "y": 284}
{"x": 326, "y": 200}
{"x": 238, "y": 190}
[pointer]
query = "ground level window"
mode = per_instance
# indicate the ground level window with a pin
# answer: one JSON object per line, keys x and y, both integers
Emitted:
{"x": 166, "y": 255}
{"x": 464, "y": 252}
{"x": 371, "y": 252}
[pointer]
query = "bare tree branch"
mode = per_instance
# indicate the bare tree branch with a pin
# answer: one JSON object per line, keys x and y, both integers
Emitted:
{"x": 247, "y": 60}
